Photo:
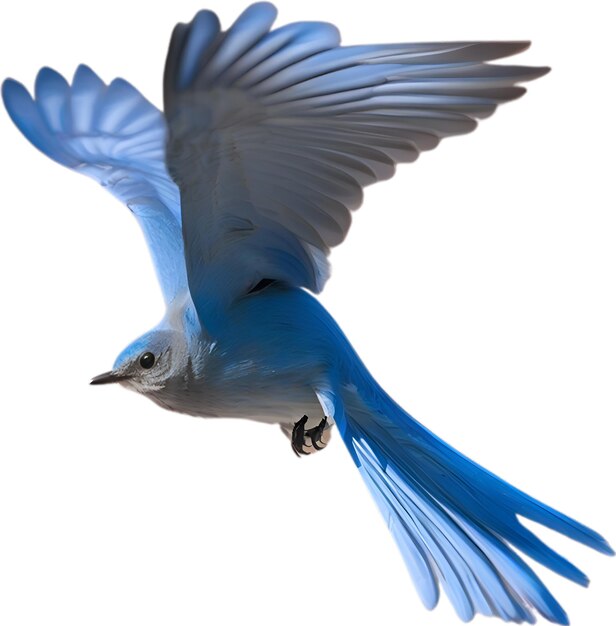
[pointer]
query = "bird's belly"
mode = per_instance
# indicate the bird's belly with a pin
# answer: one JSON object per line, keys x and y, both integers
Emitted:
{"x": 271, "y": 399}
{"x": 283, "y": 409}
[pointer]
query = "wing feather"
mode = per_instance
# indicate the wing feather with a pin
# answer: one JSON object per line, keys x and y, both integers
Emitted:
{"x": 114, "y": 135}
{"x": 282, "y": 129}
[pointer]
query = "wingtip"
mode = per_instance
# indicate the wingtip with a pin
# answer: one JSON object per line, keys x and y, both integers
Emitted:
{"x": 48, "y": 73}
{"x": 12, "y": 92}
{"x": 540, "y": 71}
{"x": 263, "y": 7}
{"x": 257, "y": 15}
{"x": 9, "y": 84}
{"x": 84, "y": 71}
{"x": 504, "y": 49}
{"x": 201, "y": 16}
{"x": 48, "y": 78}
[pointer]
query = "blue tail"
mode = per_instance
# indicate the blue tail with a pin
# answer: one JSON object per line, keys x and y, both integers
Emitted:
{"x": 454, "y": 521}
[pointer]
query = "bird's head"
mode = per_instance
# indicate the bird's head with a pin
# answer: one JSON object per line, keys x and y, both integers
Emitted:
{"x": 149, "y": 362}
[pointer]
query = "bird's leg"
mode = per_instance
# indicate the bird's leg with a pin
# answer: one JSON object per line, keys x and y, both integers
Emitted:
{"x": 298, "y": 436}
{"x": 311, "y": 440}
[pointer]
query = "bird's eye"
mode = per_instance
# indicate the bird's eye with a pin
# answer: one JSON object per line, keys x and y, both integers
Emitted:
{"x": 147, "y": 360}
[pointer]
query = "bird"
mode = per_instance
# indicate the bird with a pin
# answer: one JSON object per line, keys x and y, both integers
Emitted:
{"x": 242, "y": 186}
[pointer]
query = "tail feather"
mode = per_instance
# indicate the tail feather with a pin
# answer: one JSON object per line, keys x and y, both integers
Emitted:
{"x": 455, "y": 522}
{"x": 469, "y": 580}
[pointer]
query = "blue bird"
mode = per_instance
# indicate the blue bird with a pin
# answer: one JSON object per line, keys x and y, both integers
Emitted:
{"x": 242, "y": 186}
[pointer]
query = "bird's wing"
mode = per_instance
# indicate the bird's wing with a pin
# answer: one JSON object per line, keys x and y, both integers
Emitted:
{"x": 114, "y": 135}
{"x": 274, "y": 133}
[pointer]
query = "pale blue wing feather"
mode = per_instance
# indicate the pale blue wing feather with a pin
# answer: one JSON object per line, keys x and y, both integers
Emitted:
{"x": 279, "y": 49}
{"x": 198, "y": 40}
{"x": 280, "y": 130}
{"x": 251, "y": 26}
{"x": 52, "y": 94}
{"x": 115, "y": 136}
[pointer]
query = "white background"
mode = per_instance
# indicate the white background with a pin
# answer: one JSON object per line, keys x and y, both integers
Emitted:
{"x": 478, "y": 286}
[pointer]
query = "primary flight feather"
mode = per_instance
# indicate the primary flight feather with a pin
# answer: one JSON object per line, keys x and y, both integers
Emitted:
{"x": 242, "y": 187}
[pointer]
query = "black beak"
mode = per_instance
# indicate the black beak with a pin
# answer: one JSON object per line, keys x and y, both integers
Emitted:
{"x": 108, "y": 377}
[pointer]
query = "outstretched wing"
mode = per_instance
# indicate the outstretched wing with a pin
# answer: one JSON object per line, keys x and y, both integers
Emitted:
{"x": 273, "y": 135}
{"x": 114, "y": 135}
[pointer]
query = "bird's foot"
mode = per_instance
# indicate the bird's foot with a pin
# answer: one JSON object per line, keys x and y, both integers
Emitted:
{"x": 311, "y": 440}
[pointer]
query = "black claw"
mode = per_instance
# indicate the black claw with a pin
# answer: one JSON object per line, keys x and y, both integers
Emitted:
{"x": 298, "y": 436}
{"x": 316, "y": 434}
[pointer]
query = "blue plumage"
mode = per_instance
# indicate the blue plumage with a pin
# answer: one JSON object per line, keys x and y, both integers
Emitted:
{"x": 426, "y": 487}
{"x": 242, "y": 187}
{"x": 115, "y": 136}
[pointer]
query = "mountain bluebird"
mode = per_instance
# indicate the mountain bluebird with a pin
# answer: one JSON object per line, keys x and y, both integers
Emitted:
{"x": 242, "y": 186}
